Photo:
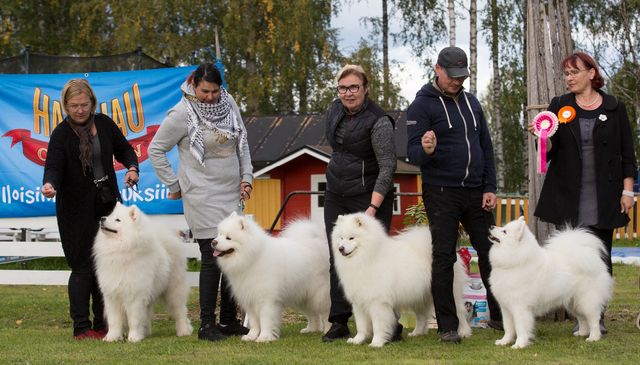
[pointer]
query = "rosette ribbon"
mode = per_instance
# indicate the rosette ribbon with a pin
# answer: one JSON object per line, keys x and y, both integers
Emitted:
{"x": 545, "y": 125}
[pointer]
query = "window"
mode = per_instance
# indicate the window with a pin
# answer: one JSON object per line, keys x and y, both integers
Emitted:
{"x": 396, "y": 200}
{"x": 322, "y": 186}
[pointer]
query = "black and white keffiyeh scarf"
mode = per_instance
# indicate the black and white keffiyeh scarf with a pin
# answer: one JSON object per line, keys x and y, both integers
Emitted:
{"x": 219, "y": 117}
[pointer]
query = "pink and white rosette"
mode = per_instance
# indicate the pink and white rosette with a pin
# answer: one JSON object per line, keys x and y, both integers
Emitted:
{"x": 545, "y": 125}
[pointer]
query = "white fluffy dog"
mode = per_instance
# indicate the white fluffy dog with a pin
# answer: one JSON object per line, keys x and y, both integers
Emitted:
{"x": 382, "y": 275}
{"x": 268, "y": 274}
{"x": 529, "y": 280}
{"x": 137, "y": 263}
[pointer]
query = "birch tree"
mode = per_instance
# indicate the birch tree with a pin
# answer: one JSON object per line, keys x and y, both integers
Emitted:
{"x": 452, "y": 22}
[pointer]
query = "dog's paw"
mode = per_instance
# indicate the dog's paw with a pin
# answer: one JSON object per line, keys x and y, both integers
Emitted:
{"x": 415, "y": 333}
{"x": 267, "y": 338}
{"x": 520, "y": 344}
{"x": 184, "y": 331}
{"x": 307, "y": 330}
{"x": 112, "y": 338}
{"x": 502, "y": 342}
{"x": 248, "y": 337}
{"x": 358, "y": 339}
{"x": 581, "y": 333}
{"x": 135, "y": 337}
{"x": 377, "y": 343}
{"x": 594, "y": 337}
{"x": 465, "y": 332}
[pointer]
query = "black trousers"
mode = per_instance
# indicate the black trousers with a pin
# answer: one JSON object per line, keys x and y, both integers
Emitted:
{"x": 606, "y": 236}
{"x": 83, "y": 286}
{"x": 335, "y": 205}
{"x": 209, "y": 282}
{"x": 446, "y": 209}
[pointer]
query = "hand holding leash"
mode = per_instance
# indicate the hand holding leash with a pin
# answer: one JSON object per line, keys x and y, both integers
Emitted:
{"x": 132, "y": 177}
{"x": 245, "y": 190}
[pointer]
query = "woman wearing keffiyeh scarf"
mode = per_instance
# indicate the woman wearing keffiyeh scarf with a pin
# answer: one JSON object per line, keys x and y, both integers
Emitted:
{"x": 214, "y": 179}
{"x": 79, "y": 173}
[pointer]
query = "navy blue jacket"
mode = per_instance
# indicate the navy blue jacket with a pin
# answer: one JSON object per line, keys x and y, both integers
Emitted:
{"x": 463, "y": 156}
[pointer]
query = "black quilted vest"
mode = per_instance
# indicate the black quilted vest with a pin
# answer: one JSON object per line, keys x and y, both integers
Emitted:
{"x": 353, "y": 168}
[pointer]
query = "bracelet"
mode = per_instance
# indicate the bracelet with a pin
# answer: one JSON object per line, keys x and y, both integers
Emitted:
{"x": 134, "y": 170}
{"x": 373, "y": 206}
{"x": 246, "y": 184}
{"x": 628, "y": 193}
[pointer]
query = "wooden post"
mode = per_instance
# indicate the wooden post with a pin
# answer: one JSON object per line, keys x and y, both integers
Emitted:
{"x": 548, "y": 41}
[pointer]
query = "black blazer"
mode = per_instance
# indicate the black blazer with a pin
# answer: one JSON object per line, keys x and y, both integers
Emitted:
{"x": 614, "y": 161}
{"x": 78, "y": 207}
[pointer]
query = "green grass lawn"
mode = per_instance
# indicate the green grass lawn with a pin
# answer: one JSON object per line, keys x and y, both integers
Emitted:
{"x": 35, "y": 329}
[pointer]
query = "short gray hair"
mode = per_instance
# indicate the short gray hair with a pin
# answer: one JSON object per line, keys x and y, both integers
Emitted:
{"x": 357, "y": 70}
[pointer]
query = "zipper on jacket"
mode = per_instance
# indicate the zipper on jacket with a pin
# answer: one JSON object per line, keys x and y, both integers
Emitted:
{"x": 466, "y": 138}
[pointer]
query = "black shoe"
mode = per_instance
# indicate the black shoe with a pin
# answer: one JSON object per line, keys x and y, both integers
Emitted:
{"x": 397, "y": 334}
{"x": 337, "y": 330}
{"x": 233, "y": 329}
{"x": 450, "y": 336}
{"x": 496, "y": 325}
{"x": 210, "y": 332}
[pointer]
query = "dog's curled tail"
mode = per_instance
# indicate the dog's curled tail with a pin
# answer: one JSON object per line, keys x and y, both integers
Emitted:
{"x": 585, "y": 250}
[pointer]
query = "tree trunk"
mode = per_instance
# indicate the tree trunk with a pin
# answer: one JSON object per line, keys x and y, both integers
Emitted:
{"x": 385, "y": 57}
{"x": 452, "y": 23}
{"x": 496, "y": 120}
{"x": 547, "y": 42}
{"x": 473, "y": 46}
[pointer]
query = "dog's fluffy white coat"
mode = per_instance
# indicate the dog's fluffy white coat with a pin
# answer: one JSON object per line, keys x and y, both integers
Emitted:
{"x": 382, "y": 275}
{"x": 137, "y": 263}
{"x": 529, "y": 280}
{"x": 268, "y": 274}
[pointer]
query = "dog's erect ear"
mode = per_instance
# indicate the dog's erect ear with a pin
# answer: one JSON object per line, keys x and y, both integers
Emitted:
{"x": 520, "y": 229}
{"x": 134, "y": 213}
{"x": 233, "y": 214}
{"x": 359, "y": 222}
{"x": 521, "y": 218}
{"x": 340, "y": 217}
{"x": 242, "y": 222}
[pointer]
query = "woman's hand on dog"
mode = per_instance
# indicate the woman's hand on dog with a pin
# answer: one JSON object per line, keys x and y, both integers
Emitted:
{"x": 174, "y": 196}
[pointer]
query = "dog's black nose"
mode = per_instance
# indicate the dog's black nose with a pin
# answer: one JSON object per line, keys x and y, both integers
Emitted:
{"x": 341, "y": 249}
{"x": 102, "y": 219}
{"x": 492, "y": 227}
{"x": 214, "y": 243}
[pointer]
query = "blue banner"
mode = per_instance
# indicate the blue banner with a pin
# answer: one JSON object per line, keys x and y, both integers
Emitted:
{"x": 30, "y": 109}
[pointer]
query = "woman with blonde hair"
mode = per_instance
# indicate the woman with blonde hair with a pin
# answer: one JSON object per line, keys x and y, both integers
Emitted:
{"x": 79, "y": 173}
{"x": 359, "y": 175}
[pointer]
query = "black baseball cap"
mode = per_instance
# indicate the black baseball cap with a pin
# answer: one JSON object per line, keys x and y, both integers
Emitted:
{"x": 454, "y": 61}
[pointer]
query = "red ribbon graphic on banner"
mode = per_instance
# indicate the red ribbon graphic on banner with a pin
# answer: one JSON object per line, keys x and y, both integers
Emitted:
{"x": 36, "y": 151}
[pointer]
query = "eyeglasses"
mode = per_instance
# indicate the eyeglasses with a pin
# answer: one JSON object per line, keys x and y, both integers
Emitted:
{"x": 353, "y": 88}
{"x": 75, "y": 107}
{"x": 573, "y": 72}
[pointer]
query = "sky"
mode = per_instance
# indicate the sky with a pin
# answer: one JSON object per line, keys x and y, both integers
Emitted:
{"x": 413, "y": 77}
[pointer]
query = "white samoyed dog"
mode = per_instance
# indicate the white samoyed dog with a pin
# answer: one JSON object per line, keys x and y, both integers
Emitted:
{"x": 268, "y": 274}
{"x": 529, "y": 280}
{"x": 137, "y": 263}
{"x": 382, "y": 275}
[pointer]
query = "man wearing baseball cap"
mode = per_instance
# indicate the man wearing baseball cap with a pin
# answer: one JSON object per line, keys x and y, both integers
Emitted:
{"x": 449, "y": 139}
